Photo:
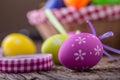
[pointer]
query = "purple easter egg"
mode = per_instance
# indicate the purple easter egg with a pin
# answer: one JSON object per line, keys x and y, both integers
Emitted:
{"x": 81, "y": 51}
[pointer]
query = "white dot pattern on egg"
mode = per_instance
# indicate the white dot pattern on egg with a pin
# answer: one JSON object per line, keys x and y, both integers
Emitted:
{"x": 81, "y": 50}
{"x": 57, "y": 42}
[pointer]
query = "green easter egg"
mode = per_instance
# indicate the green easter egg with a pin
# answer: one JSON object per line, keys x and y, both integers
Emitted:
{"x": 106, "y": 2}
{"x": 53, "y": 44}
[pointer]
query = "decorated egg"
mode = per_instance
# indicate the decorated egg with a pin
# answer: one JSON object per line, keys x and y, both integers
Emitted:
{"x": 106, "y": 2}
{"x": 18, "y": 44}
{"x": 77, "y": 4}
{"x": 53, "y": 44}
{"x": 51, "y": 4}
{"x": 81, "y": 51}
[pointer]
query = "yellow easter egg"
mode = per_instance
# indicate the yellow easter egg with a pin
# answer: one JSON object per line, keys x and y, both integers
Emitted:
{"x": 18, "y": 44}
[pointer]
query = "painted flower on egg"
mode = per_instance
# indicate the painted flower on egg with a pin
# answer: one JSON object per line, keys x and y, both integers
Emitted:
{"x": 79, "y": 55}
{"x": 81, "y": 51}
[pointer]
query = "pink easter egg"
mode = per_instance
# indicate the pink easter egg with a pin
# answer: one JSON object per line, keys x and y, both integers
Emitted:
{"x": 81, "y": 51}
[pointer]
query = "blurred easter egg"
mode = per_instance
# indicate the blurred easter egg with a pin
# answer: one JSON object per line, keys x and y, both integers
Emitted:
{"x": 51, "y": 4}
{"x": 18, "y": 44}
{"x": 105, "y": 2}
{"x": 81, "y": 51}
{"x": 77, "y": 4}
{"x": 53, "y": 44}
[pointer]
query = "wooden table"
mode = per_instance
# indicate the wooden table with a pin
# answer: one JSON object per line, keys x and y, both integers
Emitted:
{"x": 105, "y": 70}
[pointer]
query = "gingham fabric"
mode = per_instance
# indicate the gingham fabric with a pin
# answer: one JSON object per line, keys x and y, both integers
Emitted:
{"x": 68, "y": 15}
{"x": 29, "y": 63}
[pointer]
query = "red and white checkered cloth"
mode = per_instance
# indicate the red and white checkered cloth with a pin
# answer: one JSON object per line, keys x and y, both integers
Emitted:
{"x": 68, "y": 15}
{"x": 27, "y": 63}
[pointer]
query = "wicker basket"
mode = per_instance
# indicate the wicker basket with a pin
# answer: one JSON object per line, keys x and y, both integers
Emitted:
{"x": 108, "y": 20}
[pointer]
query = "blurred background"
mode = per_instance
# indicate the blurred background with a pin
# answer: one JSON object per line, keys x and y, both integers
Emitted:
{"x": 13, "y": 17}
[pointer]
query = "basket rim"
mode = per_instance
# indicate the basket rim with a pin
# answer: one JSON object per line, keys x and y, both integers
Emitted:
{"x": 69, "y": 15}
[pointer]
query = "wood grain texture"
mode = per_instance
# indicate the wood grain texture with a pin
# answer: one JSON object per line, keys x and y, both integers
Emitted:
{"x": 105, "y": 70}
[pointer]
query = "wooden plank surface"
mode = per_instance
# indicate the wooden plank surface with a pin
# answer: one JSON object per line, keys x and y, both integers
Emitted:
{"x": 105, "y": 70}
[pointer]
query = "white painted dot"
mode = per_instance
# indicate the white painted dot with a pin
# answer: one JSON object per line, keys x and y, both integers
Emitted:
{"x": 73, "y": 45}
{"x": 90, "y": 53}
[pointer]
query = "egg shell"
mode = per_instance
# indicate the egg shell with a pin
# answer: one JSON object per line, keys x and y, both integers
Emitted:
{"x": 81, "y": 51}
{"x": 52, "y": 4}
{"x": 106, "y": 2}
{"x": 77, "y": 4}
{"x": 53, "y": 44}
{"x": 16, "y": 44}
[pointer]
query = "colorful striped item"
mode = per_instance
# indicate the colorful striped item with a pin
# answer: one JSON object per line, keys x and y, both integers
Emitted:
{"x": 29, "y": 63}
